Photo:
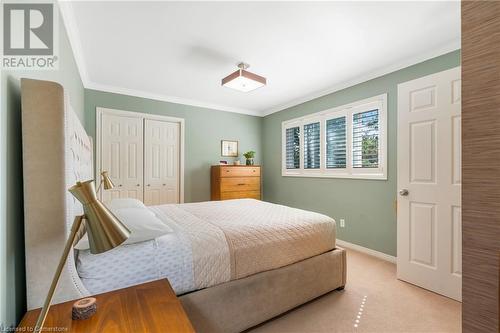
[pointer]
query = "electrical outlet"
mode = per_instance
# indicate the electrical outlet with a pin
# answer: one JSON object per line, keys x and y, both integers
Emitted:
{"x": 342, "y": 223}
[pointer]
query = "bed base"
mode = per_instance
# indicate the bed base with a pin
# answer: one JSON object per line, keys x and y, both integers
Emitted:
{"x": 240, "y": 304}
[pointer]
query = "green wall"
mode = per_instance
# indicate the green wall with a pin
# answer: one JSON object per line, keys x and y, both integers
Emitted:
{"x": 367, "y": 205}
{"x": 204, "y": 130}
{"x": 12, "y": 269}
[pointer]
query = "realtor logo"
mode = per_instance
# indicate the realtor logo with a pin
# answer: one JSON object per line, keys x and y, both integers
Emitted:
{"x": 29, "y": 39}
{"x": 28, "y": 29}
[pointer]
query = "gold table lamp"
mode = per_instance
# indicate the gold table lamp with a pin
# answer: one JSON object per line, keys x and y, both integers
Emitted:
{"x": 106, "y": 182}
{"x": 105, "y": 232}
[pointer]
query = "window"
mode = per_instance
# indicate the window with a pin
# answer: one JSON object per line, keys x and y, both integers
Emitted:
{"x": 365, "y": 135}
{"x": 336, "y": 143}
{"x": 346, "y": 142}
{"x": 312, "y": 146}
{"x": 292, "y": 148}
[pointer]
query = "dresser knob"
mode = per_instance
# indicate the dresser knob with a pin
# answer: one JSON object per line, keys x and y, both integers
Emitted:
{"x": 138, "y": 185}
{"x": 149, "y": 184}
{"x": 164, "y": 184}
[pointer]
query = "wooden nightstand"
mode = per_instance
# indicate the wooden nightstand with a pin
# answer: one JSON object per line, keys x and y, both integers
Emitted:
{"x": 149, "y": 307}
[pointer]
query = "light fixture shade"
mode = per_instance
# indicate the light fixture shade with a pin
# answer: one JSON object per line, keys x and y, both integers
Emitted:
{"x": 106, "y": 181}
{"x": 243, "y": 80}
{"x": 105, "y": 231}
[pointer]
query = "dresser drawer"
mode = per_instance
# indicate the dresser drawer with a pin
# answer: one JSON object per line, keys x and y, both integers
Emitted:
{"x": 242, "y": 171}
{"x": 232, "y": 184}
{"x": 240, "y": 195}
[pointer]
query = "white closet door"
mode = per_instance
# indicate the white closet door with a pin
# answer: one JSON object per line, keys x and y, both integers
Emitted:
{"x": 161, "y": 162}
{"x": 122, "y": 156}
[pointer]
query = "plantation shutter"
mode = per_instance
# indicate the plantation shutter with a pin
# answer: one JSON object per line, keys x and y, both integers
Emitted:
{"x": 336, "y": 143}
{"x": 312, "y": 146}
{"x": 365, "y": 139}
{"x": 293, "y": 148}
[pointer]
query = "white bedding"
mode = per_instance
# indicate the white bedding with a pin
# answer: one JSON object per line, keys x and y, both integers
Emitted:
{"x": 167, "y": 256}
{"x": 212, "y": 243}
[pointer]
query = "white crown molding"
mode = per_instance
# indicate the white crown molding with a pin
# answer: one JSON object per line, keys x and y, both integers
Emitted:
{"x": 366, "y": 250}
{"x": 171, "y": 99}
{"x": 69, "y": 21}
{"x": 452, "y": 46}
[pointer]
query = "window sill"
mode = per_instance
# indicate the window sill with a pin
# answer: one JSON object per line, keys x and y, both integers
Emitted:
{"x": 345, "y": 176}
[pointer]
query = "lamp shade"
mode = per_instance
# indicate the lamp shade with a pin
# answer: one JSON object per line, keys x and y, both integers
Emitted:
{"x": 106, "y": 181}
{"x": 243, "y": 80}
{"x": 105, "y": 231}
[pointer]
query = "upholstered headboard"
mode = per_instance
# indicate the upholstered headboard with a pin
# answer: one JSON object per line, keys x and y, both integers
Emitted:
{"x": 57, "y": 152}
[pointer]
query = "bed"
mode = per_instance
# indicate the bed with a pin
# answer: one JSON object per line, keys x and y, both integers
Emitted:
{"x": 234, "y": 264}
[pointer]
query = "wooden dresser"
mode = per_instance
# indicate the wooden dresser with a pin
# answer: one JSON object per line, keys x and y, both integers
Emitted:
{"x": 235, "y": 182}
{"x": 149, "y": 307}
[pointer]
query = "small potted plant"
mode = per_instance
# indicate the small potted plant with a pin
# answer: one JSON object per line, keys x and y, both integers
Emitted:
{"x": 249, "y": 155}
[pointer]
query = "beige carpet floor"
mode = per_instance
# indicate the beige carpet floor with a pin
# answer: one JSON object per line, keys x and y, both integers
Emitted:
{"x": 373, "y": 301}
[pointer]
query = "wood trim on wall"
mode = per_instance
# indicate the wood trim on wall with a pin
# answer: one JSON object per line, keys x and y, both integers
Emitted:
{"x": 481, "y": 166}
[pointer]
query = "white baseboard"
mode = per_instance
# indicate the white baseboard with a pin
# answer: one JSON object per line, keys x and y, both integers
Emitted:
{"x": 366, "y": 250}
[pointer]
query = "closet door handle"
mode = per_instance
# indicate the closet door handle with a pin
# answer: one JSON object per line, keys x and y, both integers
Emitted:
{"x": 164, "y": 184}
{"x": 138, "y": 185}
{"x": 149, "y": 184}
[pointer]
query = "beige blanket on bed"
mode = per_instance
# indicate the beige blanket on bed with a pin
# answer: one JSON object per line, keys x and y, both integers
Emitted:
{"x": 248, "y": 236}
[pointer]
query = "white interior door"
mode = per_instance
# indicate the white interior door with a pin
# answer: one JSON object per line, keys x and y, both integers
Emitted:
{"x": 161, "y": 162}
{"x": 429, "y": 183}
{"x": 122, "y": 156}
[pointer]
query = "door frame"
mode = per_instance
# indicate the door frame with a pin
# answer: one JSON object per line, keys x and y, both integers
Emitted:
{"x": 100, "y": 111}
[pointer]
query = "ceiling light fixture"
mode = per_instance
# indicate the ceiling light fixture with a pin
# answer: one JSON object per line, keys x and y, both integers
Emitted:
{"x": 243, "y": 80}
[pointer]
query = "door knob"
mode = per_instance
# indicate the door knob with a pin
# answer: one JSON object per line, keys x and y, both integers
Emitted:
{"x": 403, "y": 192}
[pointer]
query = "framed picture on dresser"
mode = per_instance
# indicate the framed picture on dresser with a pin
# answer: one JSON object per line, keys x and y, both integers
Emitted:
{"x": 229, "y": 148}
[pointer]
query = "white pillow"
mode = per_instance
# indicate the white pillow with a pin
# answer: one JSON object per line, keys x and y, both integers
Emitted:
{"x": 125, "y": 203}
{"x": 142, "y": 223}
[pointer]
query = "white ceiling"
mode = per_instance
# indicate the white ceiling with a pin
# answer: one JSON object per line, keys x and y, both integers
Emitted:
{"x": 180, "y": 51}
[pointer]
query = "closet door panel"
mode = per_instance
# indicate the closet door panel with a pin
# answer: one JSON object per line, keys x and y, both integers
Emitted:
{"x": 122, "y": 155}
{"x": 161, "y": 162}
